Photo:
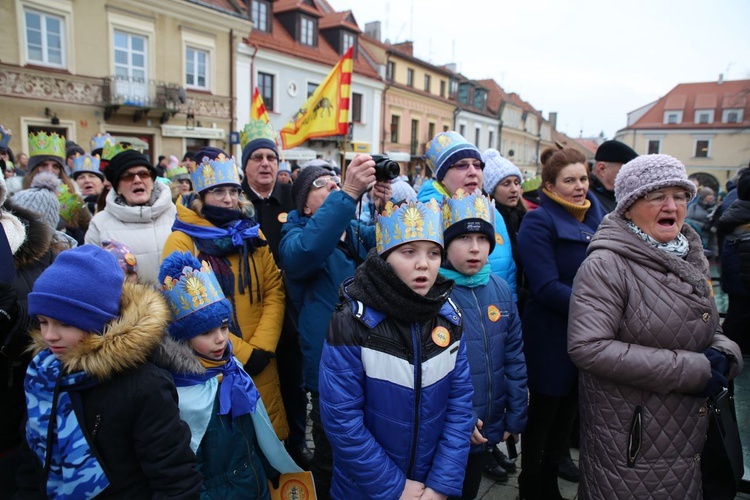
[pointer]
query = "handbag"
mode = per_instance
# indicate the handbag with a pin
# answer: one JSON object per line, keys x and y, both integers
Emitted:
{"x": 721, "y": 461}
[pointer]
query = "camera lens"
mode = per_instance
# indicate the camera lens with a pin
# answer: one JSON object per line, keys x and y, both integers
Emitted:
{"x": 385, "y": 168}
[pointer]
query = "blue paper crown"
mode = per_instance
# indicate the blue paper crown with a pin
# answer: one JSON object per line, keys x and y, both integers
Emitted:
{"x": 467, "y": 206}
{"x": 411, "y": 221}
{"x": 86, "y": 163}
{"x": 193, "y": 290}
{"x": 5, "y": 136}
{"x": 99, "y": 140}
{"x": 209, "y": 173}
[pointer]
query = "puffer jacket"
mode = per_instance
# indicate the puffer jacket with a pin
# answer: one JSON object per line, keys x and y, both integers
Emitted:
{"x": 640, "y": 319}
{"x": 501, "y": 258}
{"x": 734, "y": 229}
{"x": 259, "y": 321}
{"x": 143, "y": 228}
{"x": 494, "y": 347}
{"x": 400, "y": 405}
{"x": 130, "y": 418}
{"x": 316, "y": 263}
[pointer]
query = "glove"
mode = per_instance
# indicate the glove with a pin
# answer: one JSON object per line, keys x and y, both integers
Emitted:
{"x": 259, "y": 359}
{"x": 719, "y": 367}
{"x": 8, "y": 307}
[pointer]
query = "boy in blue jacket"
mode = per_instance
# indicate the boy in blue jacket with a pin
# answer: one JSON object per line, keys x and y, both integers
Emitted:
{"x": 395, "y": 390}
{"x": 492, "y": 330}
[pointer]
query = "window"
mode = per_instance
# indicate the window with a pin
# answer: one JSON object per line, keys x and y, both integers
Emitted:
{"x": 307, "y": 31}
{"x": 673, "y": 117}
{"x": 356, "y": 107}
{"x": 430, "y": 131}
{"x": 196, "y": 68}
{"x": 491, "y": 139}
{"x": 427, "y": 83}
{"x": 390, "y": 71}
{"x": 260, "y": 16}
{"x": 265, "y": 85}
{"x": 410, "y": 77}
{"x": 130, "y": 56}
{"x": 732, "y": 115}
{"x": 394, "y": 127}
{"x": 45, "y": 39}
{"x": 704, "y": 116}
{"x": 454, "y": 87}
{"x": 414, "y": 131}
{"x": 311, "y": 86}
{"x": 653, "y": 147}
{"x": 478, "y": 99}
{"x": 347, "y": 41}
{"x": 442, "y": 88}
{"x": 701, "y": 149}
{"x": 463, "y": 93}
{"x": 477, "y": 131}
{"x": 462, "y": 130}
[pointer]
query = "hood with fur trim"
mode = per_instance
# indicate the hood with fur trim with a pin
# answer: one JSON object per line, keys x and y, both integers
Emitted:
{"x": 127, "y": 342}
{"x": 176, "y": 356}
{"x": 38, "y": 236}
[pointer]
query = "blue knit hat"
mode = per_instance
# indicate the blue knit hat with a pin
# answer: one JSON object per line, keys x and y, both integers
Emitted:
{"x": 194, "y": 295}
{"x": 446, "y": 149}
{"x": 81, "y": 288}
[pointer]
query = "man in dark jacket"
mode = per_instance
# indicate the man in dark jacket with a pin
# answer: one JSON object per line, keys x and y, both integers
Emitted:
{"x": 610, "y": 157}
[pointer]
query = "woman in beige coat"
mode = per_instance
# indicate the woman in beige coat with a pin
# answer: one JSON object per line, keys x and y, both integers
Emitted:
{"x": 644, "y": 332}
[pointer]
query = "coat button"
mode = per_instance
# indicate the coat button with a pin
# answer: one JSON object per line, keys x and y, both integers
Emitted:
{"x": 702, "y": 411}
{"x": 588, "y": 237}
{"x": 696, "y": 458}
{"x": 706, "y": 317}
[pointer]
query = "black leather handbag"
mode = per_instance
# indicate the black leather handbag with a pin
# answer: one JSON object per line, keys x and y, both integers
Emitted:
{"x": 721, "y": 460}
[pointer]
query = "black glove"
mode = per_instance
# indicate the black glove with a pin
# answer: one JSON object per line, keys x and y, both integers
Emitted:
{"x": 718, "y": 360}
{"x": 719, "y": 368}
{"x": 8, "y": 308}
{"x": 259, "y": 359}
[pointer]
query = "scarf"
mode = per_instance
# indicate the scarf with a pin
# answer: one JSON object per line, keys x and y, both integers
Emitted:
{"x": 473, "y": 281}
{"x": 678, "y": 246}
{"x": 376, "y": 285}
{"x": 54, "y": 433}
{"x": 577, "y": 211}
{"x": 237, "y": 393}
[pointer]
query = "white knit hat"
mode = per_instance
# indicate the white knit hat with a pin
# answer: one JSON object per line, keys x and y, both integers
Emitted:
{"x": 648, "y": 173}
{"x": 497, "y": 168}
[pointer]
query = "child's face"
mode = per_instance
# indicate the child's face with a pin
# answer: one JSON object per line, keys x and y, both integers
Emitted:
{"x": 468, "y": 253}
{"x": 416, "y": 263}
{"x": 59, "y": 337}
{"x": 213, "y": 343}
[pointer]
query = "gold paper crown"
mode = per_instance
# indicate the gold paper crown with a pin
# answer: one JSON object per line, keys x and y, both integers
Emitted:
{"x": 257, "y": 129}
{"x": 51, "y": 144}
{"x": 110, "y": 150}
{"x": 209, "y": 173}
{"x": 411, "y": 221}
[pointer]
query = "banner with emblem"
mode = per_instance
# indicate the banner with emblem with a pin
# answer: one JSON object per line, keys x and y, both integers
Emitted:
{"x": 326, "y": 111}
{"x": 258, "y": 107}
{"x": 294, "y": 485}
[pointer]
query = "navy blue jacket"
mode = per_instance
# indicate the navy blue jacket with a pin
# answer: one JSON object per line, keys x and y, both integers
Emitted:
{"x": 492, "y": 334}
{"x": 394, "y": 404}
{"x": 315, "y": 264}
{"x": 552, "y": 245}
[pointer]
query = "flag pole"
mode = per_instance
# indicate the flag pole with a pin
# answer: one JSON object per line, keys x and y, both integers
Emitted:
{"x": 343, "y": 154}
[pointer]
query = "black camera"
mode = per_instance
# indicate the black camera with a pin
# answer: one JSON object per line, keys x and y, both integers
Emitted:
{"x": 385, "y": 168}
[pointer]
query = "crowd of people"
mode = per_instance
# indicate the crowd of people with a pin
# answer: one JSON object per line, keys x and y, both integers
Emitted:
{"x": 163, "y": 325}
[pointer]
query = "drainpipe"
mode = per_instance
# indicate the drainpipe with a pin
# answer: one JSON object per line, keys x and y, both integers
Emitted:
{"x": 389, "y": 84}
{"x": 252, "y": 71}
{"x": 232, "y": 96}
{"x": 500, "y": 127}
{"x": 456, "y": 111}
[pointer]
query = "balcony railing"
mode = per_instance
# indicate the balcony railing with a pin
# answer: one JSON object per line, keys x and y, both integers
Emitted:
{"x": 145, "y": 95}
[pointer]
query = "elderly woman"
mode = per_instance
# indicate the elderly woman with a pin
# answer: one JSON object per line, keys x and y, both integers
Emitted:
{"x": 645, "y": 334}
{"x": 552, "y": 243}
{"x": 139, "y": 212}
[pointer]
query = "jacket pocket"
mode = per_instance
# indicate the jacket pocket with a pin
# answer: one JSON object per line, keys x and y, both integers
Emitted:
{"x": 635, "y": 437}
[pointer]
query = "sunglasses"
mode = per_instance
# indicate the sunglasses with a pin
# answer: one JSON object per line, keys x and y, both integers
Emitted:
{"x": 323, "y": 181}
{"x": 269, "y": 157}
{"x": 141, "y": 174}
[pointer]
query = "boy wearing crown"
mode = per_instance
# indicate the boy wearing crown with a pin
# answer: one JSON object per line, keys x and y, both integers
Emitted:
{"x": 492, "y": 334}
{"x": 395, "y": 389}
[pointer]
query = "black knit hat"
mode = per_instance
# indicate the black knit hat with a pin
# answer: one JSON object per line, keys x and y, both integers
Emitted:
{"x": 615, "y": 152}
{"x": 123, "y": 161}
{"x": 301, "y": 187}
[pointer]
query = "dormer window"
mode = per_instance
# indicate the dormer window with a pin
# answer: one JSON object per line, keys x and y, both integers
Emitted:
{"x": 704, "y": 116}
{"x": 463, "y": 93}
{"x": 307, "y": 31}
{"x": 672, "y": 117}
{"x": 347, "y": 41}
{"x": 732, "y": 115}
{"x": 259, "y": 11}
{"x": 479, "y": 97}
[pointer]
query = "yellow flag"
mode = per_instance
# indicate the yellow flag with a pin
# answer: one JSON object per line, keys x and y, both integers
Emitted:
{"x": 258, "y": 107}
{"x": 326, "y": 111}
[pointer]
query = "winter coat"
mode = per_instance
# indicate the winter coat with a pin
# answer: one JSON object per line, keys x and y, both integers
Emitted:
{"x": 640, "y": 319}
{"x": 494, "y": 348}
{"x": 553, "y": 245}
{"x": 130, "y": 418}
{"x": 734, "y": 227}
{"x": 259, "y": 321}
{"x": 143, "y": 228}
{"x": 271, "y": 213}
{"x": 604, "y": 196}
{"x": 315, "y": 263}
{"x": 699, "y": 217}
{"x": 501, "y": 258}
{"x": 383, "y": 430}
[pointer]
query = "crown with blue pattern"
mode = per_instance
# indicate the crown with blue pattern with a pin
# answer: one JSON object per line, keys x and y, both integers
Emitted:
{"x": 44, "y": 144}
{"x": 410, "y": 221}
{"x": 467, "y": 206}
{"x": 5, "y": 136}
{"x": 86, "y": 163}
{"x": 209, "y": 173}
{"x": 99, "y": 140}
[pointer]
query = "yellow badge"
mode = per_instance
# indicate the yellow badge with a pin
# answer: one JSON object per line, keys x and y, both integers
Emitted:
{"x": 498, "y": 239}
{"x": 493, "y": 313}
{"x": 441, "y": 336}
{"x": 282, "y": 217}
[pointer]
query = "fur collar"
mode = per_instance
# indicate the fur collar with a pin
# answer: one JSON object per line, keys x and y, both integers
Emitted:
{"x": 177, "y": 357}
{"x": 128, "y": 341}
{"x": 38, "y": 236}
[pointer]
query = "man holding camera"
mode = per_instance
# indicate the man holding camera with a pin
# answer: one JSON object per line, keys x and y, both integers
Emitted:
{"x": 321, "y": 246}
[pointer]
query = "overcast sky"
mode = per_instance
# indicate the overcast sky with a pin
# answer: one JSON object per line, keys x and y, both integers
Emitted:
{"x": 592, "y": 61}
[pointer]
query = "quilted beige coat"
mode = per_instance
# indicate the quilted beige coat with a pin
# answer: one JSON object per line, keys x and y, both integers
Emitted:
{"x": 639, "y": 320}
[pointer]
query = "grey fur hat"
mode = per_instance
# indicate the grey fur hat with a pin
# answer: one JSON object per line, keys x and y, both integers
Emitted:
{"x": 41, "y": 198}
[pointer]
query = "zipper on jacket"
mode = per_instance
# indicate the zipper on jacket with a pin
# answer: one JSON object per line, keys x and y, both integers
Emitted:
{"x": 417, "y": 341}
{"x": 635, "y": 438}
{"x": 97, "y": 421}
{"x": 487, "y": 359}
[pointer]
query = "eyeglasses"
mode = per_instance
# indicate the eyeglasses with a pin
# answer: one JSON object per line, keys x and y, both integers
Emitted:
{"x": 659, "y": 198}
{"x": 271, "y": 158}
{"x": 130, "y": 176}
{"x": 323, "y": 181}
{"x": 219, "y": 193}
{"x": 464, "y": 165}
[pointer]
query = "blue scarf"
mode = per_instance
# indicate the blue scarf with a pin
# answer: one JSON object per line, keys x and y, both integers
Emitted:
{"x": 479, "y": 279}
{"x": 237, "y": 231}
{"x": 54, "y": 433}
{"x": 237, "y": 393}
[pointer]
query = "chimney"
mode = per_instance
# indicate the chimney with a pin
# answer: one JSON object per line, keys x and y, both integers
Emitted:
{"x": 373, "y": 30}
{"x": 452, "y": 67}
{"x": 406, "y": 47}
{"x": 553, "y": 119}
{"x": 721, "y": 79}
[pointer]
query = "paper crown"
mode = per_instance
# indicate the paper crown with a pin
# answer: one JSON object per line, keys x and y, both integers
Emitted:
{"x": 464, "y": 206}
{"x": 99, "y": 140}
{"x": 45, "y": 144}
{"x": 192, "y": 290}
{"x": 5, "y": 136}
{"x": 175, "y": 171}
{"x": 70, "y": 203}
{"x": 111, "y": 150}
{"x": 209, "y": 173}
{"x": 86, "y": 163}
{"x": 256, "y": 129}
{"x": 411, "y": 221}
{"x": 531, "y": 184}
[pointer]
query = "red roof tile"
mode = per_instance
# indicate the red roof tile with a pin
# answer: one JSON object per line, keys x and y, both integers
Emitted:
{"x": 589, "y": 144}
{"x": 306, "y": 6}
{"x": 339, "y": 19}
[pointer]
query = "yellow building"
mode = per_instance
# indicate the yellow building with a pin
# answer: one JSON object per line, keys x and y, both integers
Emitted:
{"x": 158, "y": 72}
